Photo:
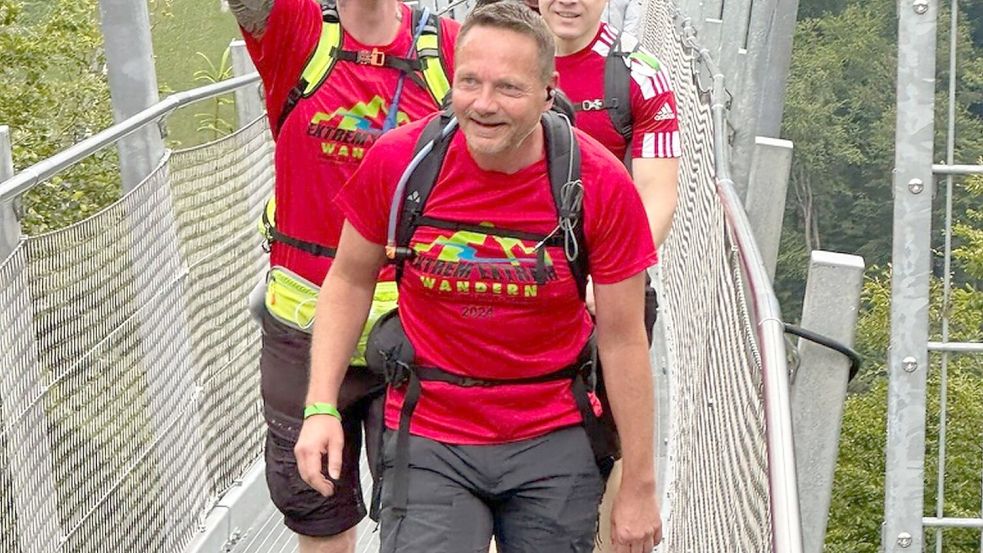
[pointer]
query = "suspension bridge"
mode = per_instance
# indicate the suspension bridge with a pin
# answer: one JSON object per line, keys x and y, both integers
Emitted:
{"x": 130, "y": 417}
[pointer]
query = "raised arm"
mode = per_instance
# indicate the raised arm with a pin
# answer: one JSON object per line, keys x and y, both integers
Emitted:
{"x": 252, "y": 15}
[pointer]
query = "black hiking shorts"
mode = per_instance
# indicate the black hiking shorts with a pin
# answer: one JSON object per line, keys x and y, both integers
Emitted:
{"x": 539, "y": 495}
{"x": 284, "y": 366}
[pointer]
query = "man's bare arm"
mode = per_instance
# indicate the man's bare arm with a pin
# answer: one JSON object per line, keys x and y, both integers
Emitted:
{"x": 342, "y": 307}
{"x": 252, "y": 15}
{"x": 635, "y": 519}
{"x": 656, "y": 181}
{"x": 623, "y": 348}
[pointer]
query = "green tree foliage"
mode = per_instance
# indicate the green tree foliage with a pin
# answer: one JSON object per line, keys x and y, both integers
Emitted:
{"x": 54, "y": 94}
{"x": 971, "y": 10}
{"x": 212, "y": 123}
{"x": 840, "y": 113}
{"x": 858, "y": 492}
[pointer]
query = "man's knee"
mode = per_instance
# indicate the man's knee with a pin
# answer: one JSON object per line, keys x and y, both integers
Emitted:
{"x": 338, "y": 543}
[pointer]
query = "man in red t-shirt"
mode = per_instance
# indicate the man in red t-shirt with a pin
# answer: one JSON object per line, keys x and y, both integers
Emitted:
{"x": 583, "y": 44}
{"x": 322, "y": 134}
{"x": 496, "y": 444}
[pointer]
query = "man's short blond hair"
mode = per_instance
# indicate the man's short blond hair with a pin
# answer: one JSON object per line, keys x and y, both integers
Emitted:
{"x": 516, "y": 17}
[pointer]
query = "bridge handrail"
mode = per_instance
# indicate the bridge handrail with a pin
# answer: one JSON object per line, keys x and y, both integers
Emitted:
{"x": 45, "y": 169}
{"x": 770, "y": 330}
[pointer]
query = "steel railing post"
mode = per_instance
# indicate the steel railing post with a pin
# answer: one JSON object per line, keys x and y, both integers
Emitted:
{"x": 771, "y": 164}
{"x": 832, "y": 302}
{"x": 912, "y": 254}
{"x": 132, "y": 84}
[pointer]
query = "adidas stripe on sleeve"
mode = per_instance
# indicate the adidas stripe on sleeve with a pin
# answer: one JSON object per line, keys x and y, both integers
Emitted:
{"x": 656, "y": 124}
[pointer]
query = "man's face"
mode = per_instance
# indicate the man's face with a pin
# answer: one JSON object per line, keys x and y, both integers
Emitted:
{"x": 572, "y": 20}
{"x": 499, "y": 94}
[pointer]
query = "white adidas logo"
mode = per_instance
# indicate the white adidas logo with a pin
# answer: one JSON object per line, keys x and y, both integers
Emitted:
{"x": 665, "y": 113}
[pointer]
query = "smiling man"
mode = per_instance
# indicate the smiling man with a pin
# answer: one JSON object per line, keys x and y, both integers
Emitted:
{"x": 489, "y": 415}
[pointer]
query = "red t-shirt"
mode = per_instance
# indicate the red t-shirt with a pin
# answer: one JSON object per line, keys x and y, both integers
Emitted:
{"x": 326, "y": 135}
{"x": 469, "y": 301}
{"x": 655, "y": 129}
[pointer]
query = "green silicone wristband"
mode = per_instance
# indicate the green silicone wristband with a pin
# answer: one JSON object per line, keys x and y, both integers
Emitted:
{"x": 321, "y": 409}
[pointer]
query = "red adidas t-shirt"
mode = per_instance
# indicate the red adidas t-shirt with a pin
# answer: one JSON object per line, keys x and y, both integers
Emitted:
{"x": 469, "y": 301}
{"x": 326, "y": 136}
{"x": 655, "y": 129}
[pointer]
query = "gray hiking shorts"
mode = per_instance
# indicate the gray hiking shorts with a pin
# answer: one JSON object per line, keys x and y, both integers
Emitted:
{"x": 535, "y": 496}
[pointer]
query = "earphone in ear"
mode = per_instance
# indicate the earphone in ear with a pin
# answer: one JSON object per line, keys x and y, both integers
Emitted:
{"x": 550, "y": 93}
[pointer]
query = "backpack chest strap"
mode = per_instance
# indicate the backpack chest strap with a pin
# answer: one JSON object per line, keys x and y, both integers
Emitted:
{"x": 377, "y": 58}
{"x": 597, "y": 104}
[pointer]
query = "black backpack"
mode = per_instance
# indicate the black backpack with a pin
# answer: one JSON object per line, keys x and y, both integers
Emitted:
{"x": 563, "y": 163}
{"x": 617, "y": 94}
{"x": 389, "y": 350}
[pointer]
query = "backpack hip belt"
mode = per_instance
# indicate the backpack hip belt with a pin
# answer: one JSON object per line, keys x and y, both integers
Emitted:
{"x": 401, "y": 373}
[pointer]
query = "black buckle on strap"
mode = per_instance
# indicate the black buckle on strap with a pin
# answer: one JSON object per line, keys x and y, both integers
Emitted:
{"x": 395, "y": 372}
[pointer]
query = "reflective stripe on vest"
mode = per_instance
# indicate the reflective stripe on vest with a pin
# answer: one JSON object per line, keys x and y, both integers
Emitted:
{"x": 323, "y": 59}
{"x": 427, "y": 49}
{"x": 291, "y": 299}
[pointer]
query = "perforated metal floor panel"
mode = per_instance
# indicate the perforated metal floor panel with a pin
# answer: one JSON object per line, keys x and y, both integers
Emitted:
{"x": 268, "y": 536}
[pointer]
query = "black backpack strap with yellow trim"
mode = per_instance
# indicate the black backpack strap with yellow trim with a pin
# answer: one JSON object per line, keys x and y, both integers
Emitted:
{"x": 319, "y": 65}
{"x": 430, "y": 53}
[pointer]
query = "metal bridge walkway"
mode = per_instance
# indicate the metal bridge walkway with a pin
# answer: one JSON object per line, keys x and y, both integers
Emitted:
{"x": 129, "y": 409}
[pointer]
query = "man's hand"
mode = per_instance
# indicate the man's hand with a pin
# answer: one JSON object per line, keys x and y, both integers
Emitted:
{"x": 321, "y": 435}
{"x": 636, "y": 523}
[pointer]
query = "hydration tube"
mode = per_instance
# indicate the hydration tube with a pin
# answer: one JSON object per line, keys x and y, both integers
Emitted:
{"x": 391, "y": 117}
{"x": 398, "y": 199}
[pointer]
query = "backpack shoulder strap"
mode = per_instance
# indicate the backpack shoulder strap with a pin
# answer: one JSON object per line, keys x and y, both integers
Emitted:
{"x": 430, "y": 53}
{"x": 421, "y": 182}
{"x": 320, "y": 63}
{"x": 563, "y": 163}
{"x": 617, "y": 91}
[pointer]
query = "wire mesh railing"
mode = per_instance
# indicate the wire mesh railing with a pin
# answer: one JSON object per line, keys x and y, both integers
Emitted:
{"x": 731, "y": 485}
{"x": 129, "y": 393}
